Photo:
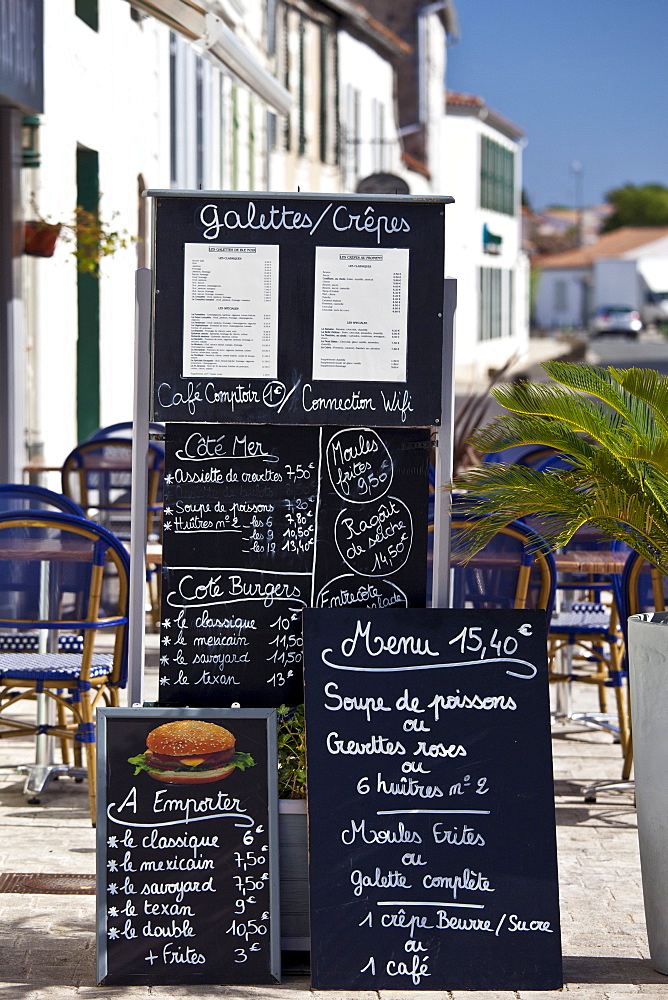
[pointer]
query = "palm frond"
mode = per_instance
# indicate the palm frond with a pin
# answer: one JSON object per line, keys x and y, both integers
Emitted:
{"x": 602, "y": 384}
{"x": 509, "y": 431}
{"x": 551, "y": 402}
{"x": 650, "y": 386}
{"x": 614, "y": 424}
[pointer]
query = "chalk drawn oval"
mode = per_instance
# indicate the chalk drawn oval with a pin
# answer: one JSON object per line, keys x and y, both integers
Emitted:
{"x": 376, "y": 539}
{"x": 349, "y": 591}
{"x": 359, "y": 465}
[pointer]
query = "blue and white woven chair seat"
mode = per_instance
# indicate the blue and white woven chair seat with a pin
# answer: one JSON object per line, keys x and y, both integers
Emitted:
{"x": 582, "y": 619}
{"x": 51, "y": 666}
{"x": 28, "y": 642}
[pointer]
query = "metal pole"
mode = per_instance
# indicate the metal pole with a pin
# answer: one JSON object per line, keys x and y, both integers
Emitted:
{"x": 138, "y": 512}
{"x": 443, "y": 470}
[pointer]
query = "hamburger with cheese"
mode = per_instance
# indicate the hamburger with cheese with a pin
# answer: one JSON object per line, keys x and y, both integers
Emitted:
{"x": 190, "y": 752}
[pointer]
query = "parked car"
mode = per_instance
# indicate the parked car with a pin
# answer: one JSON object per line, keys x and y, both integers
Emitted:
{"x": 616, "y": 319}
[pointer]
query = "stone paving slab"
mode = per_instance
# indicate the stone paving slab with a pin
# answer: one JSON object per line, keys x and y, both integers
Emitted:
{"x": 47, "y": 943}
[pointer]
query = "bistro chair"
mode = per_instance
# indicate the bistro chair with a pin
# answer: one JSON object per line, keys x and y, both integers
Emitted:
{"x": 123, "y": 430}
{"x": 98, "y": 476}
{"x": 72, "y": 576}
{"x": 512, "y": 571}
{"x": 643, "y": 587}
{"x": 21, "y": 497}
{"x": 530, "y": 455}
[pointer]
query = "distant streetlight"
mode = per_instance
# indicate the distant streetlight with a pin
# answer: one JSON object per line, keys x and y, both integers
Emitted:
{"x": 578, "y": 173}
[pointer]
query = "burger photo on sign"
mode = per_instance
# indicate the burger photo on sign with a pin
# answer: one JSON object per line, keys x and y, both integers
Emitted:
{"x": 190, "y": 752}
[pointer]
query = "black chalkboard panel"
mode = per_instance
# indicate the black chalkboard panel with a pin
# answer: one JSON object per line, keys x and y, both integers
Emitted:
{"x": 261, "y": 522}
{"x": 251, "y": 290}
{"x": 431, "y": 809}
{"x": 186, "y": 860}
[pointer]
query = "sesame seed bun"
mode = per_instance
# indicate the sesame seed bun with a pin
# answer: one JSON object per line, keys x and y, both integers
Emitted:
{"x": 189, "y": 737}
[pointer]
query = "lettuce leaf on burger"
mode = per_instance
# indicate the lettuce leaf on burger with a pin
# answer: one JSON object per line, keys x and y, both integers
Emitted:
{"x": 190, "y": 752}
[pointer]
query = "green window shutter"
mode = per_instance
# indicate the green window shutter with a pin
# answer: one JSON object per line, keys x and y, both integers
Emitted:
{"x": 302, "y": 87}
{"x": 88, "y": 308}
{"x": 324, "y": 95}
{"x": 235, "y": 137}
{"x": 287, "y": 133}
{"x": 251, "y": 144}
{"x": 497, "y": 177}
{"x": 337, "y": 98}
{"x": 88, "y": 12}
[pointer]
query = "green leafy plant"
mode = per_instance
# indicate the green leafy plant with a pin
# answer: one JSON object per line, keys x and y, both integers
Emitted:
{"x": 613, "y": 425}
{"x": 291, "y": 753}
{"x": 94, "y": 239}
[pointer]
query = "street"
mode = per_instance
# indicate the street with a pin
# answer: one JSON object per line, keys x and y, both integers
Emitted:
{"x": 650, "y": 351}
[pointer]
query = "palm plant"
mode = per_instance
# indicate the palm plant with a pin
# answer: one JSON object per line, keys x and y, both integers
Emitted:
{"x": 613, "y": 425}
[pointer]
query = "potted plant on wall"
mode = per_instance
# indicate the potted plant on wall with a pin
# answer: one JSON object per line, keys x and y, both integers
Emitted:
{"x": 613, "y": 425}
{"x": 93, "y": 239}
{"x": 292, "y": 837}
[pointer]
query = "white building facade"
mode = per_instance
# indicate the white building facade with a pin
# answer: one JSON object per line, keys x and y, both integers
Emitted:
{"x": 228, "y": 95}
{"x": 220, "y": 95}
{"x": 482, "y": 169}
{"x": 573, "y": 284}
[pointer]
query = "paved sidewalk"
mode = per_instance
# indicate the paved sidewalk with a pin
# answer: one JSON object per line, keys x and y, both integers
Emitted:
{"x": 47, "y": 942}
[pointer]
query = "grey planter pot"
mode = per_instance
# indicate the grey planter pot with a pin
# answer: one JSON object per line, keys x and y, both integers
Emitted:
{"x": 648, "y": 681}
{"x": 293, "y": 857}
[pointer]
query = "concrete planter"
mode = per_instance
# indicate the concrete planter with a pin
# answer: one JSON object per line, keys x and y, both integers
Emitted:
{"x": 293, "y": 855}
{"x": 648, "y": 681}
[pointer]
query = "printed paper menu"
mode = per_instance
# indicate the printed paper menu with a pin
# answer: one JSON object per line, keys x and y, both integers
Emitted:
{"x": 361, "y": 314}
{"x": 230, "y": 311}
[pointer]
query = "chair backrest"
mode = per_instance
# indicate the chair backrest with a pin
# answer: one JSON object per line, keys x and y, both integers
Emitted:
{"x": 643, "y": 587}
{"x": 98, "y": 476}
{"x": 123, "y": 429}
{"x": 17, "y": 496}
{"x": 521, "y": 454}
{"x": 511, "y": 571}
{"x": 549, "y": 460}
{"x": 61, "y": 572}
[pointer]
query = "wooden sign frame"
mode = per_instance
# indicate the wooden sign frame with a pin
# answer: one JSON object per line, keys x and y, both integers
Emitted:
{"x": 297, "y": 276}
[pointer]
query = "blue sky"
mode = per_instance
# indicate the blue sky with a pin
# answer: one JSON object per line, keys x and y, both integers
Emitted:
{"x": 586, "y": 80}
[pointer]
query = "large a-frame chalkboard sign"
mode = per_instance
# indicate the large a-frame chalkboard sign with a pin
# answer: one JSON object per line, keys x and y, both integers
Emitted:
{"x": 280, "y": 309}
{"x": 431, "y": 806}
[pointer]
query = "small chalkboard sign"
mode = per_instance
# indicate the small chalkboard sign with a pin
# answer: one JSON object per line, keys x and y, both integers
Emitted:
{"x": 187, "y": 847}
{"x": 298, "y": 309}
{"x": 261, "y": 522}
{"x": 431, "y": 805}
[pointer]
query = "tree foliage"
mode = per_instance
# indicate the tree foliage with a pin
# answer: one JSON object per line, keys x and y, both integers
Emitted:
{"x": 646, "y": 205}
{"x": 613, "y": 425}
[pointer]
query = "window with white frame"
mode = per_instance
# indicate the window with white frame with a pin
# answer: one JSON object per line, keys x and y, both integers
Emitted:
{"x": 496, "y": 305}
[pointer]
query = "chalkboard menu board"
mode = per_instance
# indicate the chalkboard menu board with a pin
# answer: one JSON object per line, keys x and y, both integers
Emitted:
{"x": 293, "y": 309}
{"x": 187, "y": 847}
{"x": 261, "y": 522}
{"x": 431, "y": 808}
